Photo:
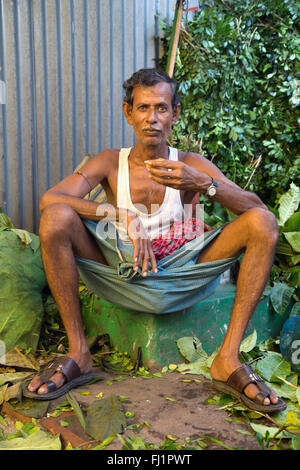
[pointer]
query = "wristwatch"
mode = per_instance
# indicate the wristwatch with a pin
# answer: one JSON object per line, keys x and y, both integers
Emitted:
{"x": 212, "y": 190}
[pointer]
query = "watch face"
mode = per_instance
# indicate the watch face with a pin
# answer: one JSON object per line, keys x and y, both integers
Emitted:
{"x": 212, "y": 191}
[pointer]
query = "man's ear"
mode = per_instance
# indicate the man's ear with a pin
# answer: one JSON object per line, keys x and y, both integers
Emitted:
{"x": 127, "y": 110}
{"x": 176, "y": 113}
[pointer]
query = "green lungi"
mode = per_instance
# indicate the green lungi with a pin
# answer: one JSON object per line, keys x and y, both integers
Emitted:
{"x": 178, "y": 284}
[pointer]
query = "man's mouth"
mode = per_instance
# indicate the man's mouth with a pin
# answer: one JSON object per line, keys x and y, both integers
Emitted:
{"x": 151, "y": 130}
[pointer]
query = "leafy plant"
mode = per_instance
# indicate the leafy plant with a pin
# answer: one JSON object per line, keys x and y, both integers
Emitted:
{"x": 286, "y": 270}
{"x": 270, "y": 365}
{"x": 238, "y": 65}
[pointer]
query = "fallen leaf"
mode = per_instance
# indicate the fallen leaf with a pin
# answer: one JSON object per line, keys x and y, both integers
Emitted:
{"x": 39, "y": 440}
{"x": 7, "y": 393}
{"x": 105, "y": 418}
{"x": 13, "y": 377}
{"x": 76, "y": 407}
{"x": 17, "y": 358}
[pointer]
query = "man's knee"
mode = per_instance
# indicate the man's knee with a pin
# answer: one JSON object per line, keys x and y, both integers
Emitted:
{"x": 56, "y": 219}
{"x": 263, "y": 223}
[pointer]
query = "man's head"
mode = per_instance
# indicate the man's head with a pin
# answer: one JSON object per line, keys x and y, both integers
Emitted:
{"x": 148, "y": 78}
{"x": 151, "y": 106}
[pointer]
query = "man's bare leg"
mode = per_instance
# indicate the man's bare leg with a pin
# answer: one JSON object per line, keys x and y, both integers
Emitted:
{"x": 63, "y": 236}
{"x": 255, "y": 233}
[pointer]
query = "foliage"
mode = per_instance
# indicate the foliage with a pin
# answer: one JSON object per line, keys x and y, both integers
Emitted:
{"x": 238, "y": 65}
{"x": 30, "y": 437}
{"x": 270, "y": 365}
{"x": 285, "y": 274}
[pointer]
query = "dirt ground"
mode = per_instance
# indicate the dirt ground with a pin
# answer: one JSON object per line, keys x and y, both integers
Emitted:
{"x": 188, "y": 416}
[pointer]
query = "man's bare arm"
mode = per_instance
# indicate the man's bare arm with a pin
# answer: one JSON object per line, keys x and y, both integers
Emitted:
{"x": 72, "y": 189}
{"x": 194, "y": 173}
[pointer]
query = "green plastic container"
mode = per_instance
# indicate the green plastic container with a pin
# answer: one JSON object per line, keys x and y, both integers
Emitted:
{"x": 156, "y": 335}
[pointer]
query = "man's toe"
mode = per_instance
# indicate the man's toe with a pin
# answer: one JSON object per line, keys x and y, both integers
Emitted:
{"x": 274, "y": 398}
{"x": 34, "y": 384}
{"x": 43, "y": 389}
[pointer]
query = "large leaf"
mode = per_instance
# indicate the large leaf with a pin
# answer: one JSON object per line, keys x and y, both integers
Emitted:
{"x": 280, "y": 297}
{"x": 249, "y": 343}
{"x": 288, "y": 203}
{"x": 5, "y": 222}
{"x": 295, "y": 309}
{"x": 76, "y": 407}
{"x": 196, "y": 368}
{"x": 30, "y": 407}
{"x": 13, "y": 377}
{"x": 105, "y": 418}
{"x": 38, "y": 440}
{"x": 22, "y": 282}
{"x": 17, "y": 358}
{"x": 272, "y": 367}
{"x": 293, "y": 223}
{"x": 191, "y": 348}
{"x": 271, "y": 430}
{"x": 294, "y": 240}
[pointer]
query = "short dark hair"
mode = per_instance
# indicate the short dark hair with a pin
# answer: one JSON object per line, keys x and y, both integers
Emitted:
{"x": 150, "y": 77}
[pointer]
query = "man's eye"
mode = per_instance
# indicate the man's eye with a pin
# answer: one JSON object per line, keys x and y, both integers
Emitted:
{"x": 142, "y": 108}
{"x": 162, "y": 109}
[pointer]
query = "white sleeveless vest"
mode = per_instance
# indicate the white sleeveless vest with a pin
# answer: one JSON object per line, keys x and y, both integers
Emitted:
{"x": 162, "y": 217}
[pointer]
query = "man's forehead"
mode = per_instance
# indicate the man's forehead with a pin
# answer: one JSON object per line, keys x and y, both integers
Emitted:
{"x": 162, "y": 91}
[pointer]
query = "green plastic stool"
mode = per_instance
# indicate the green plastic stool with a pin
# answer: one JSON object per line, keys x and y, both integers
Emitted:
{"x": 156, "y": 335}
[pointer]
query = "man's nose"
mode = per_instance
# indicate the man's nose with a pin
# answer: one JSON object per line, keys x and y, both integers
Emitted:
{"x": 151, "y": 115}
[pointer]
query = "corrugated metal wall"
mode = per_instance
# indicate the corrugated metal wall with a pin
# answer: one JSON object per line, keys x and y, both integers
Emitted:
{"x": 62, "y": 65}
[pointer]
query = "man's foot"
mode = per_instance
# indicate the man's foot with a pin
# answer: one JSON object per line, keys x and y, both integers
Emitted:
{"x": 221, "y": 369}
{"x": 84, "y": 362}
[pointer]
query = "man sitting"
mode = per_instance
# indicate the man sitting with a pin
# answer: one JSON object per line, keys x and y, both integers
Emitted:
{"x": 161, "y": 180}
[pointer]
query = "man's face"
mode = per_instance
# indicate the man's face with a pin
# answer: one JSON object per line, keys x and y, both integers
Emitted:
{"x": 151, "y": 114}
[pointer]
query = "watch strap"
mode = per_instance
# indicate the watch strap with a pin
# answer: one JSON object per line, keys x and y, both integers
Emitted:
{"x": 214, "y": 184}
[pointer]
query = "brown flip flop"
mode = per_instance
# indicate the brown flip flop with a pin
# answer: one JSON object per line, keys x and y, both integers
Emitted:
{"x": 71, "y": 371}
{"x": 238, "y": 381}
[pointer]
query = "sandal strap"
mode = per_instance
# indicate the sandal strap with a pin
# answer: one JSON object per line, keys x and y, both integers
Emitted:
{"x": 65, "y": 365}
{"x": 51, "y": 386}
{"x": 260, "y": 398}
{"x": 244, "y": 376}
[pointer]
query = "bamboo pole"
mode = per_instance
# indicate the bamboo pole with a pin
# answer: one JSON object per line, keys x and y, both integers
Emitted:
{"x": 174, "y": 38}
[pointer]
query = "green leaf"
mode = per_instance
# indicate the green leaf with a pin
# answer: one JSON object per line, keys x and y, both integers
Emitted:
{"x": 249, "y": 343}
{"x": 295, "y": 442}
{"x": 272, "y": 366}
{"x": 17, "y": 358}
{"x": 295, "y": 309}
{"x": 23, "y": 235}
{"x": 293, "y": 223}
{"x": 13, "y": 377}
{"x": 280, "y": 297}
{"x": 263, "y": 430}
{"x": 2, "y": 421}
{"x": 105, "y": 418}
{"x": 294, "y": 240}
{"x": 76, "y": 407}
{"x": 105, "y": 443}
{"x": 288, "y": 203}
{"x": 198, "y": 368}
{"x": 5, "y": 222}
{"x": 7, "y": 393}
{"x": 191, "y": 348}
{"x": 39, "y": 440}
{"x": 32, "y": 408}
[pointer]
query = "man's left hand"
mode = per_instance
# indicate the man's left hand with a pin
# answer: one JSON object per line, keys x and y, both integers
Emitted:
{"x": 177, "y": 175}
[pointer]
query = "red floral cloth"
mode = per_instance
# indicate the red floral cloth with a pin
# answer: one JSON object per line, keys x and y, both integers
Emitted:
{"x": 179, "y": 234}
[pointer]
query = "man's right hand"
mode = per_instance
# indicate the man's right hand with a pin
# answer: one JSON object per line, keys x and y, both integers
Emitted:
{"x": 142, "y": 248}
